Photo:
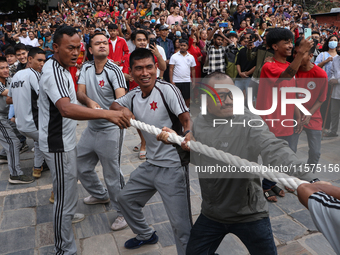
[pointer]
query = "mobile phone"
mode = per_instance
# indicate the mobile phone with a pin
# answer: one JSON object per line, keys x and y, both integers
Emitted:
{"x": 120, "y": 17}
{"x": 176, "y": 23}
{"x": 224, "y": 24}
{"x": 153, "y": 41}
{"x": 0, "y": 25}
{"x": 307, "y": 32}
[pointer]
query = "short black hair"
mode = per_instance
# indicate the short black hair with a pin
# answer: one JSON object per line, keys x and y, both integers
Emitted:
{"x": 315, "y": 32}
{"x": 63, "y": 30}
{"x": 19, "y": 46}
{"x": 34, "y": 51}
{"x": 134, "y": 34}
{"x": 92, "y": 36}
{"x": 183, "y": 41}
{"x": 217, "y": 35}
{"x": 112, "y": 26}
{"x": 23, "y": 29}
{"x": 139, "y": 54}
{"x": 9, "y": 51}
{"x": 278, "y": 34}
{"x": 92, "y": 25}
{"x": 3, "y": 59}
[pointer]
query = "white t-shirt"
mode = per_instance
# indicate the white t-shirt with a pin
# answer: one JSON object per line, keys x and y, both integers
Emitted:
{"x": 25, "y": 40}
{"x": 182, "y": 66}
{"x": 33, "y": 43}
{"x": 162, "y": 52}
{"x": 114, "y": 44}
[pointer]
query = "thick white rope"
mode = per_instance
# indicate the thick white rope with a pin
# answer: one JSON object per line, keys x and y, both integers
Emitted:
{"x": 260, "y": 170}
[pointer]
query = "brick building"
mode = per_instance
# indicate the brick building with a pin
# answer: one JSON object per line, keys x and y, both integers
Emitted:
{"x": 330, "y": 18}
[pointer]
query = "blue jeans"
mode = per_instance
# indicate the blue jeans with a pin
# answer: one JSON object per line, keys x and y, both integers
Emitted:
{"x": 314, "y": 145}
{"x": 243, "y": 84}
{"x": 206, "y": 235}
{"x": 292, "y": 143}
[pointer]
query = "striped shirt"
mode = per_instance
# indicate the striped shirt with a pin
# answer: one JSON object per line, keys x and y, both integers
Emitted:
{"x": 160, "y": 108}
{"x": 24, "y": 90}
{"x": 101, "y": 88}
{"x": 56, "y": 134}
{"x": 325, "y": 212}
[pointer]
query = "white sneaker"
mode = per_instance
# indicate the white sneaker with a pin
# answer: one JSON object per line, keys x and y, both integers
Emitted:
{"x": 119, "y": 224}
{"x": 78, "y": 217}
{"x": 90, "y": 200}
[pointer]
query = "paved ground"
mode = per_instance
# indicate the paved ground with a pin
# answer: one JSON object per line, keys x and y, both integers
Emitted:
{"x": 26, "y": 214}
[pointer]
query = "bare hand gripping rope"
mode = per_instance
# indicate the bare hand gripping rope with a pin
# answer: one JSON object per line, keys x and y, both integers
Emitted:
{"x": 262, "y": 171}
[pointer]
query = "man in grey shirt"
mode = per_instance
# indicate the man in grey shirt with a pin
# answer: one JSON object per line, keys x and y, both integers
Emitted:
{"x": 233, "y": 201}
{"x": 58, "y": 111}
{"x": 100, "y": 83}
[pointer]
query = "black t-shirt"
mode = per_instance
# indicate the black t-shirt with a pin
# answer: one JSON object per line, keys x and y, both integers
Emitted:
{"x": 245, "y": 65}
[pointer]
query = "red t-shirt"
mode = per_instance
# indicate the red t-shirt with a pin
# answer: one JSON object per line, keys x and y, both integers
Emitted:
{"x": 315, "y": 80}
{"x": 126, "y": 65}
{"x": 268, "y": 79}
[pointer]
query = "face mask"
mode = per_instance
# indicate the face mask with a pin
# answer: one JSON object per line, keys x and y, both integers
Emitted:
{"x": 178, "y": 33}
{"x": 332, "y": 44}
{"x": 287, "y": 28}
{"x": 153, "y": 21}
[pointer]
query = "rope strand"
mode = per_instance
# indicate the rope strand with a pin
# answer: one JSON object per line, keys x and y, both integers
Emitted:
{"x": 259, "y": 170}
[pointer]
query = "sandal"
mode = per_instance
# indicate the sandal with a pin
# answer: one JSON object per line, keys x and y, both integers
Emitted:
{"x": 290, "y": 190}
{"x": 268, "y": 194}
{"x": 330, "y": 134}
{"x": 277, "y": 191}
{"x": 136, "y": 148}
{"x": 142, "y": 155}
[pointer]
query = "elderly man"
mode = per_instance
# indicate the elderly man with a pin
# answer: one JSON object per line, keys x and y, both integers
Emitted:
{"x": 233, "y": 202}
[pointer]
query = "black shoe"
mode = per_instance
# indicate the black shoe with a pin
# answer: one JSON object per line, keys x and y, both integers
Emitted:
{"x": 21, "y": 179}
{"x": 133, "y": 243}
{"x": 45, "y": 166}
{"x": 3, "y": 159}
{"x": 24, "y": 147}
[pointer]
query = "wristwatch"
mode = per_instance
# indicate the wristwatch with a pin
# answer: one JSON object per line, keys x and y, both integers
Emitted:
{"x": 315, "y": 180}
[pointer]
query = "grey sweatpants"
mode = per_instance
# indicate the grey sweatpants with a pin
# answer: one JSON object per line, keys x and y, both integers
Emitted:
{"x": 172, "y": 185}
{"x": 106, "y": 146}
{"x": 11, "y": 144}
{"x": 63, "y": 167}
{"x": 335, "y": 111}
{"x": 38, "y": 156}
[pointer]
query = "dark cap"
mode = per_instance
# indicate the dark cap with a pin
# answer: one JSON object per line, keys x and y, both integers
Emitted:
{"x": 163, "y": 27}
{"x": 304, "y": 18}
{"x": 47, "y": 34}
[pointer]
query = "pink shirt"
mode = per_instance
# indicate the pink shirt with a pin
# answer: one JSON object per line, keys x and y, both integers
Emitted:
{"x": 171, "y": 20}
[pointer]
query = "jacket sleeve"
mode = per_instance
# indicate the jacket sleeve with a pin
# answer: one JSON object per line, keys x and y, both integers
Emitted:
{"x": 276, "y": 152}
{"x": 125, "y": 48}
{"x": 172, "y": 50}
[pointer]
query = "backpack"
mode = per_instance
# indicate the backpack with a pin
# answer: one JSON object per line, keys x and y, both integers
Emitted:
{"x": 231, "y": 58}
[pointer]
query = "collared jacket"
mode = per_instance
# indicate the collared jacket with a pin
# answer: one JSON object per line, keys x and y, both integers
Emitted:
{"x": 234, "y": 197}
{"x": 121, "y": 49}
{"x": 170, "y": 46}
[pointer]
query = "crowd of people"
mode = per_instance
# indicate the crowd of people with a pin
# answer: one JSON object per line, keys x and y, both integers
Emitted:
{"x": 149, "y": 60}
